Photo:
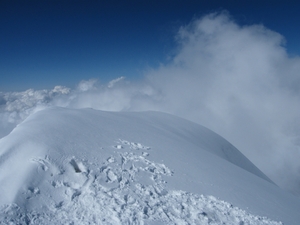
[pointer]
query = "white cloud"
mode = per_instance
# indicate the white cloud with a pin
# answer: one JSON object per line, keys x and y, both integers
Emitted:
{"x": 236, "y": 80}
{"x": 113, "y": 82}
{"x": 87, "y": 85}
{"x": 240, "y": 82}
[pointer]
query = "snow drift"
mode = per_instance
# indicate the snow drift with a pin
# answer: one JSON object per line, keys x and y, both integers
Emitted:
{"x": 68, "y": 166}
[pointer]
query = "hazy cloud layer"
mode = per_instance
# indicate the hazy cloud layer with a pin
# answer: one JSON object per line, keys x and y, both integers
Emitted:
{"x": 236, "y": 80}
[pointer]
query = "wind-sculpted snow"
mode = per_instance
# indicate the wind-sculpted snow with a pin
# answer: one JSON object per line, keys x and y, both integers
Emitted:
{"x": 66, "y": 166}
{"x": 126, "y": 188}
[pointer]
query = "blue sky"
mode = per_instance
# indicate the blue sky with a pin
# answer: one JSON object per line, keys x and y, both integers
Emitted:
{"x": 47, "y": 43}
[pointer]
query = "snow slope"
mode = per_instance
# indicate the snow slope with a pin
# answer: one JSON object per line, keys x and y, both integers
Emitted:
{"x": 66, "y": 166}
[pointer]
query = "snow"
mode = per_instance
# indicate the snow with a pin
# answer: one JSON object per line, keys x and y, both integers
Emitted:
{"x": 84, "y": 166}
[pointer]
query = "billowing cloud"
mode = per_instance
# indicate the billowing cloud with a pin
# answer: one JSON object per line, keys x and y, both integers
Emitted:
{"x": 236, "y": 80}
{"x": 240, "y": 82}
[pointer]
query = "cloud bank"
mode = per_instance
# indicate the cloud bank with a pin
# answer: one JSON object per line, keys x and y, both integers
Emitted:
{"x": 237, "y": 80}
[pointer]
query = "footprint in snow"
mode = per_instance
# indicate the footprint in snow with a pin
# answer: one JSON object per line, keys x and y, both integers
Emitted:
{"x": 134, "y": 145}
{"x": 118, "y": 146}
{"x": 111, "y": 160}
{"x": 77, "y": 166}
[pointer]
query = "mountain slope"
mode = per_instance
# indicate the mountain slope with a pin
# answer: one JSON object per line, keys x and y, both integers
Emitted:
{"x": 92, "y": 166}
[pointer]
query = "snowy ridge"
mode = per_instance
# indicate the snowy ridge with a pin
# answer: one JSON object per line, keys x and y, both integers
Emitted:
{"x": 126, "y": 189}
{"x": 64, "y": 166}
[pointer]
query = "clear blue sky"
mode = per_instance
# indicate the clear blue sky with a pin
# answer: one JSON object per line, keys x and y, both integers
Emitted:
{"x": 45, "y": 43}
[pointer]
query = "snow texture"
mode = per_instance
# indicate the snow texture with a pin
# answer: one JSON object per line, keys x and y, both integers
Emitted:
{"x": 63, "y": 166}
